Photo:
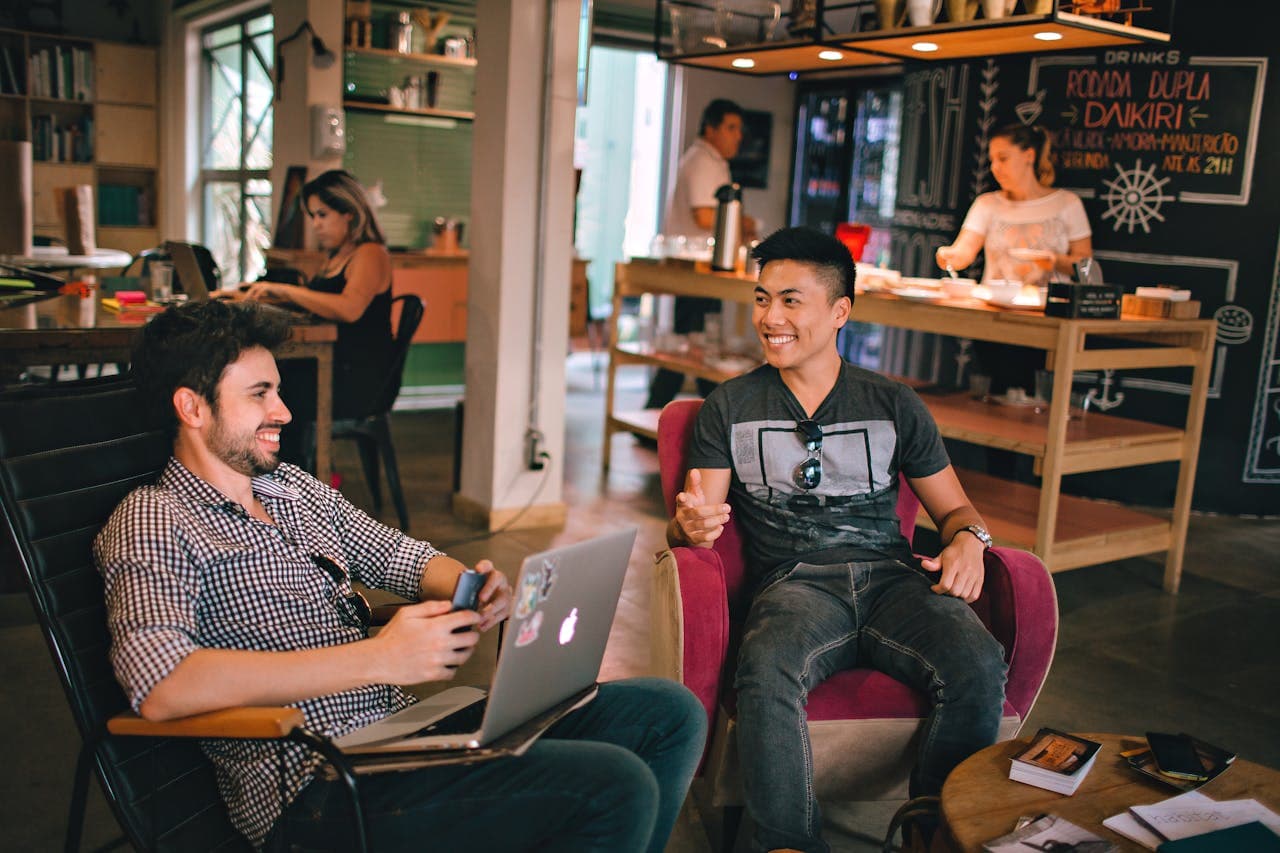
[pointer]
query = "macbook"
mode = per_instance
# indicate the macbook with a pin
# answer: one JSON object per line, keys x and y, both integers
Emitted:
{"x": 562, "y": 609}
{"x": 192, "y": 277}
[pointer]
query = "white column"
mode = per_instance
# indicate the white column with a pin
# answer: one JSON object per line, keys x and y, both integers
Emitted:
{"x": 516, "y": 337}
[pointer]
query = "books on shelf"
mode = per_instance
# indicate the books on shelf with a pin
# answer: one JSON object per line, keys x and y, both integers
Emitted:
{"x": 1049, "y": 833}
{"x": 1187, "y": 816}
{"x": 1056, "y": 761}
{"x": 1214, "y": 758}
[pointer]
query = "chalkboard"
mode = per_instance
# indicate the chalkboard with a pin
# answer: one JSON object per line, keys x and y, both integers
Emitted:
{"x": 1141, "y": 128}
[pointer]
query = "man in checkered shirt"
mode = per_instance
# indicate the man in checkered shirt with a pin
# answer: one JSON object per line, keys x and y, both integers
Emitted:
{"x": 228, "y": 583}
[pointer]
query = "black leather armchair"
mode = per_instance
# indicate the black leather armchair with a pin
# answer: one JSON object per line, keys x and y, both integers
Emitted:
{"x": 68, "y": 455}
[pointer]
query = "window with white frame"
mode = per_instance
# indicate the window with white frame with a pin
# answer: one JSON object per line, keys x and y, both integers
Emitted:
{"x": 235, "y": 142}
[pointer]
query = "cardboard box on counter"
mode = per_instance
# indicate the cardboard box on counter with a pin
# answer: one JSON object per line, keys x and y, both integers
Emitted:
{"x": 1082, "y": 301}
{"x": 1147, "y": 306}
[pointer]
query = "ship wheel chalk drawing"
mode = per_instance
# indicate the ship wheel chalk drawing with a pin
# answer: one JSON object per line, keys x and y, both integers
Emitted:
{"x": 1135, "y": 197}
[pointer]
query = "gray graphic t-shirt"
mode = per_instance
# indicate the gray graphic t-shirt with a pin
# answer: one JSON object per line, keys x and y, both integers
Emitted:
{"x": 872, "y": 428}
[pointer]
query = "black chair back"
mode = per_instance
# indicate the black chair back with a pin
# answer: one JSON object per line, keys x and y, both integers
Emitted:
{"x": 68, "y": 455}
{"x": 411, "y": 309}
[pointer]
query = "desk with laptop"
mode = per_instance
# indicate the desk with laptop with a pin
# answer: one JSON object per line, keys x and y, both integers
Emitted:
{"x": 48, "y": 327}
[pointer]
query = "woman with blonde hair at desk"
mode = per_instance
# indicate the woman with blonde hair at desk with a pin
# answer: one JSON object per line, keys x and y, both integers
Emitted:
{"x": 353, "y": 288}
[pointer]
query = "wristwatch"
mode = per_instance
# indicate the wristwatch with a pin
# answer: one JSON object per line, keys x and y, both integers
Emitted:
{"x": 983, "y": 536}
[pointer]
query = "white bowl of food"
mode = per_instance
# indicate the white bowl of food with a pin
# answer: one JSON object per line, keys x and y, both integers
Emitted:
{"x": 998, "y": 290}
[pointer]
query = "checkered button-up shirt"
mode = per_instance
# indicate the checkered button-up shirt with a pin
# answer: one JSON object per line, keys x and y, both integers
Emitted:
{"x": 187, "y": 568}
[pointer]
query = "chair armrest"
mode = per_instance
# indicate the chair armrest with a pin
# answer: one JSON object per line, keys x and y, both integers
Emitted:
{"x": 382, "y": 613}
{"x": 262, "y": 723}
{"x": 691, "y": 627}
{"x": 1020, "y": 608}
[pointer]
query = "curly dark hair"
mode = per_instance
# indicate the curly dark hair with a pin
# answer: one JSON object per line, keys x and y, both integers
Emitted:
{"x": 190, "y": 345}
{"x": 829, "y": 257}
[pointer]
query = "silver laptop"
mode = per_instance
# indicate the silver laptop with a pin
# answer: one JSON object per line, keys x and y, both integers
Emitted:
{"x": 190, "y": 276}
{"x": 564, "y": 602}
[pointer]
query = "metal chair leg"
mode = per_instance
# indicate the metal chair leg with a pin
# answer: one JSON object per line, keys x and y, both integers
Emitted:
{"x": 79, "y": 796}
{"x": 325, "y": 747}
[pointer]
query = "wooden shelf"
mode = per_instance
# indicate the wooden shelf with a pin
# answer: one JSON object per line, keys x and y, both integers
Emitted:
{"x": 642, "y": 421}
{"x": 1087, "y": 532}
{"x": 417, "y": 58}
{"x": 365, "y": 106}
{"x": 1094, "y": 441}
{"x": 693, "y": 363}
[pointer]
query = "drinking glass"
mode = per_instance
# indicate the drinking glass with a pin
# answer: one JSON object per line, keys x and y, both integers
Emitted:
{"x": 161, "y": 282}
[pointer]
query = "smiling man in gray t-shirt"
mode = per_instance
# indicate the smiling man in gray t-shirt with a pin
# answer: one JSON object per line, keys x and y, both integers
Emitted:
{"x": 807, "y": 452}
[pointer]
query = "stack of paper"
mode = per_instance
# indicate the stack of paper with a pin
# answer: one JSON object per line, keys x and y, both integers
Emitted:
{"x": 1049, "y": 833}
{"x": 1186, "y": 816}
{"x": 1056, "y": 761}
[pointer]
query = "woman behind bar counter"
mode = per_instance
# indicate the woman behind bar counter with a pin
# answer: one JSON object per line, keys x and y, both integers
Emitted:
{"x": 352, "y": 288}
{"x": 1025, "y": 213}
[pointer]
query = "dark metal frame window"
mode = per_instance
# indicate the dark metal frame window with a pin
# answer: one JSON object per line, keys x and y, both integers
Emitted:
{"x": 236, "y": 127}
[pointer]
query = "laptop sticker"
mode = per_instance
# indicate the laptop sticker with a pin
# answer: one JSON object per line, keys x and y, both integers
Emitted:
{"x": 549, "y": 575}
{"x": 527, "y": 600}
{"x": 529, "y": 630}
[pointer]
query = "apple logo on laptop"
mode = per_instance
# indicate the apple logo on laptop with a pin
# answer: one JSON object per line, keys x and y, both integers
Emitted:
{"x": 567, "y": 627}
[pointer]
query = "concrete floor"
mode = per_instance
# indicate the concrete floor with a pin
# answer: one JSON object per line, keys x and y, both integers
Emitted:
{"x": 1130, "y": 658}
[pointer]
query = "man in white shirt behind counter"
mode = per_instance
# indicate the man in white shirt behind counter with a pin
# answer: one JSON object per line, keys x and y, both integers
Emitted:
{"x": 691, "y": 214}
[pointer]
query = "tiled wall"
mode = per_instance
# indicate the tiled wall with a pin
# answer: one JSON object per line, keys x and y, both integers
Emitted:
{"x": 424, "y": 162}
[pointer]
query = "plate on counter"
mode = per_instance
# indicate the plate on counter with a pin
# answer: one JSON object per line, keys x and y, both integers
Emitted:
{"x": 918, "y": 294}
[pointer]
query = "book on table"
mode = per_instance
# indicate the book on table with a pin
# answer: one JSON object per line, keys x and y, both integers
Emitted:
{"x": 1050, "y": 832}
{"x": 1055, "y": 760}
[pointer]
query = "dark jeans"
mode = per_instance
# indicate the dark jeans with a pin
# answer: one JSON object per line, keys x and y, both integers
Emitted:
{"x": 818, "y": 620}
{"x": 609, "y": 777}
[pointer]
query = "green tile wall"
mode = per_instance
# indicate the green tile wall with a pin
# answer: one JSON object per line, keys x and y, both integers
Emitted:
{"x": 434, "y": 364}
{"x": 424, "y": 163}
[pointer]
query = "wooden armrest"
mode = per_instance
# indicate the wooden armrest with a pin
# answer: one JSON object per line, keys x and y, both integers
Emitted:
{"x": 259, "y": 723}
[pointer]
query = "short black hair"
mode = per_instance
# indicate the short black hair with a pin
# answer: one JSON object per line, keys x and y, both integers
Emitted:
{"x": 713, "y": 115}
{"x": 190, "y": 345}
{"x": 831, "y": 258}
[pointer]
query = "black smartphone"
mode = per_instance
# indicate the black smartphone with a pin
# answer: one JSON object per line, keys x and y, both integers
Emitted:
{"x": 1176, "y": 756}
{"x": 467, "y": 593}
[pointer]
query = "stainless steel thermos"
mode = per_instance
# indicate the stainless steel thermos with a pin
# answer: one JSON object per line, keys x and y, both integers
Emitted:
{"x": 728, "y": 233}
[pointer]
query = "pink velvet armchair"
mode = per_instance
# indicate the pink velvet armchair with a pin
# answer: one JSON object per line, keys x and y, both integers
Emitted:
{"x": 863, "y": 724}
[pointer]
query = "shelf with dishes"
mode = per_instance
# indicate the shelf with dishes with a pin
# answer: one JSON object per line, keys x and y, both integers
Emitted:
{"x": 395, "y": 56}
{"x": 1067, "y": 532}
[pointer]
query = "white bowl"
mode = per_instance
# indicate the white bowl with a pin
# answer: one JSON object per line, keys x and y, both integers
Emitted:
{"x": 958, "y": 288}
{"x": 1001, "y": 290}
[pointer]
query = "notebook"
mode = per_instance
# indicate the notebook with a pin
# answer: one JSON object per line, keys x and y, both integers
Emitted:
{"x": 563, "y": 608}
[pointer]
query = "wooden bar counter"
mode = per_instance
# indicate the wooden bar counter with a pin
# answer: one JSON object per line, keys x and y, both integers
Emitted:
{"x": 1065, "y": 532}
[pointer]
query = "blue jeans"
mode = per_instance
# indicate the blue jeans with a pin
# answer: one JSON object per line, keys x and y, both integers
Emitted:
{"x": 609, "y": 777}
{"x": 817, "y": 620}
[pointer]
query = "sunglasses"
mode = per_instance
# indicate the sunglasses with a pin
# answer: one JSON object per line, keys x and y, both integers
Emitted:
{"x": 808, "y": 474}
{"x": 357, "y": 606}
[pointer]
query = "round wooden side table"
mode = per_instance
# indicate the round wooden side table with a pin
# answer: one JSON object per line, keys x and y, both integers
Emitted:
{"x": 980, "y": 802}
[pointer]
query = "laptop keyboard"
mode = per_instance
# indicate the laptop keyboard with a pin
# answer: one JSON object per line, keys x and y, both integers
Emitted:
{"x": 462, "y": 721}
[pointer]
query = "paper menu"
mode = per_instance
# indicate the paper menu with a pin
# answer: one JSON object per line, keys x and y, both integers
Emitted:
{"x": 1127, "y": 825}
{"x": 1187, "y": 815}
{"x": 1174, "y": 820}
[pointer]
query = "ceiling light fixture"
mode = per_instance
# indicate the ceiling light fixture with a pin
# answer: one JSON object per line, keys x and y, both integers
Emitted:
{"x": 743, "y": 62}
{"x": 924, "y": 47}
{"x": 1048, "y": 35}
{"x": 830, "y": 55}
